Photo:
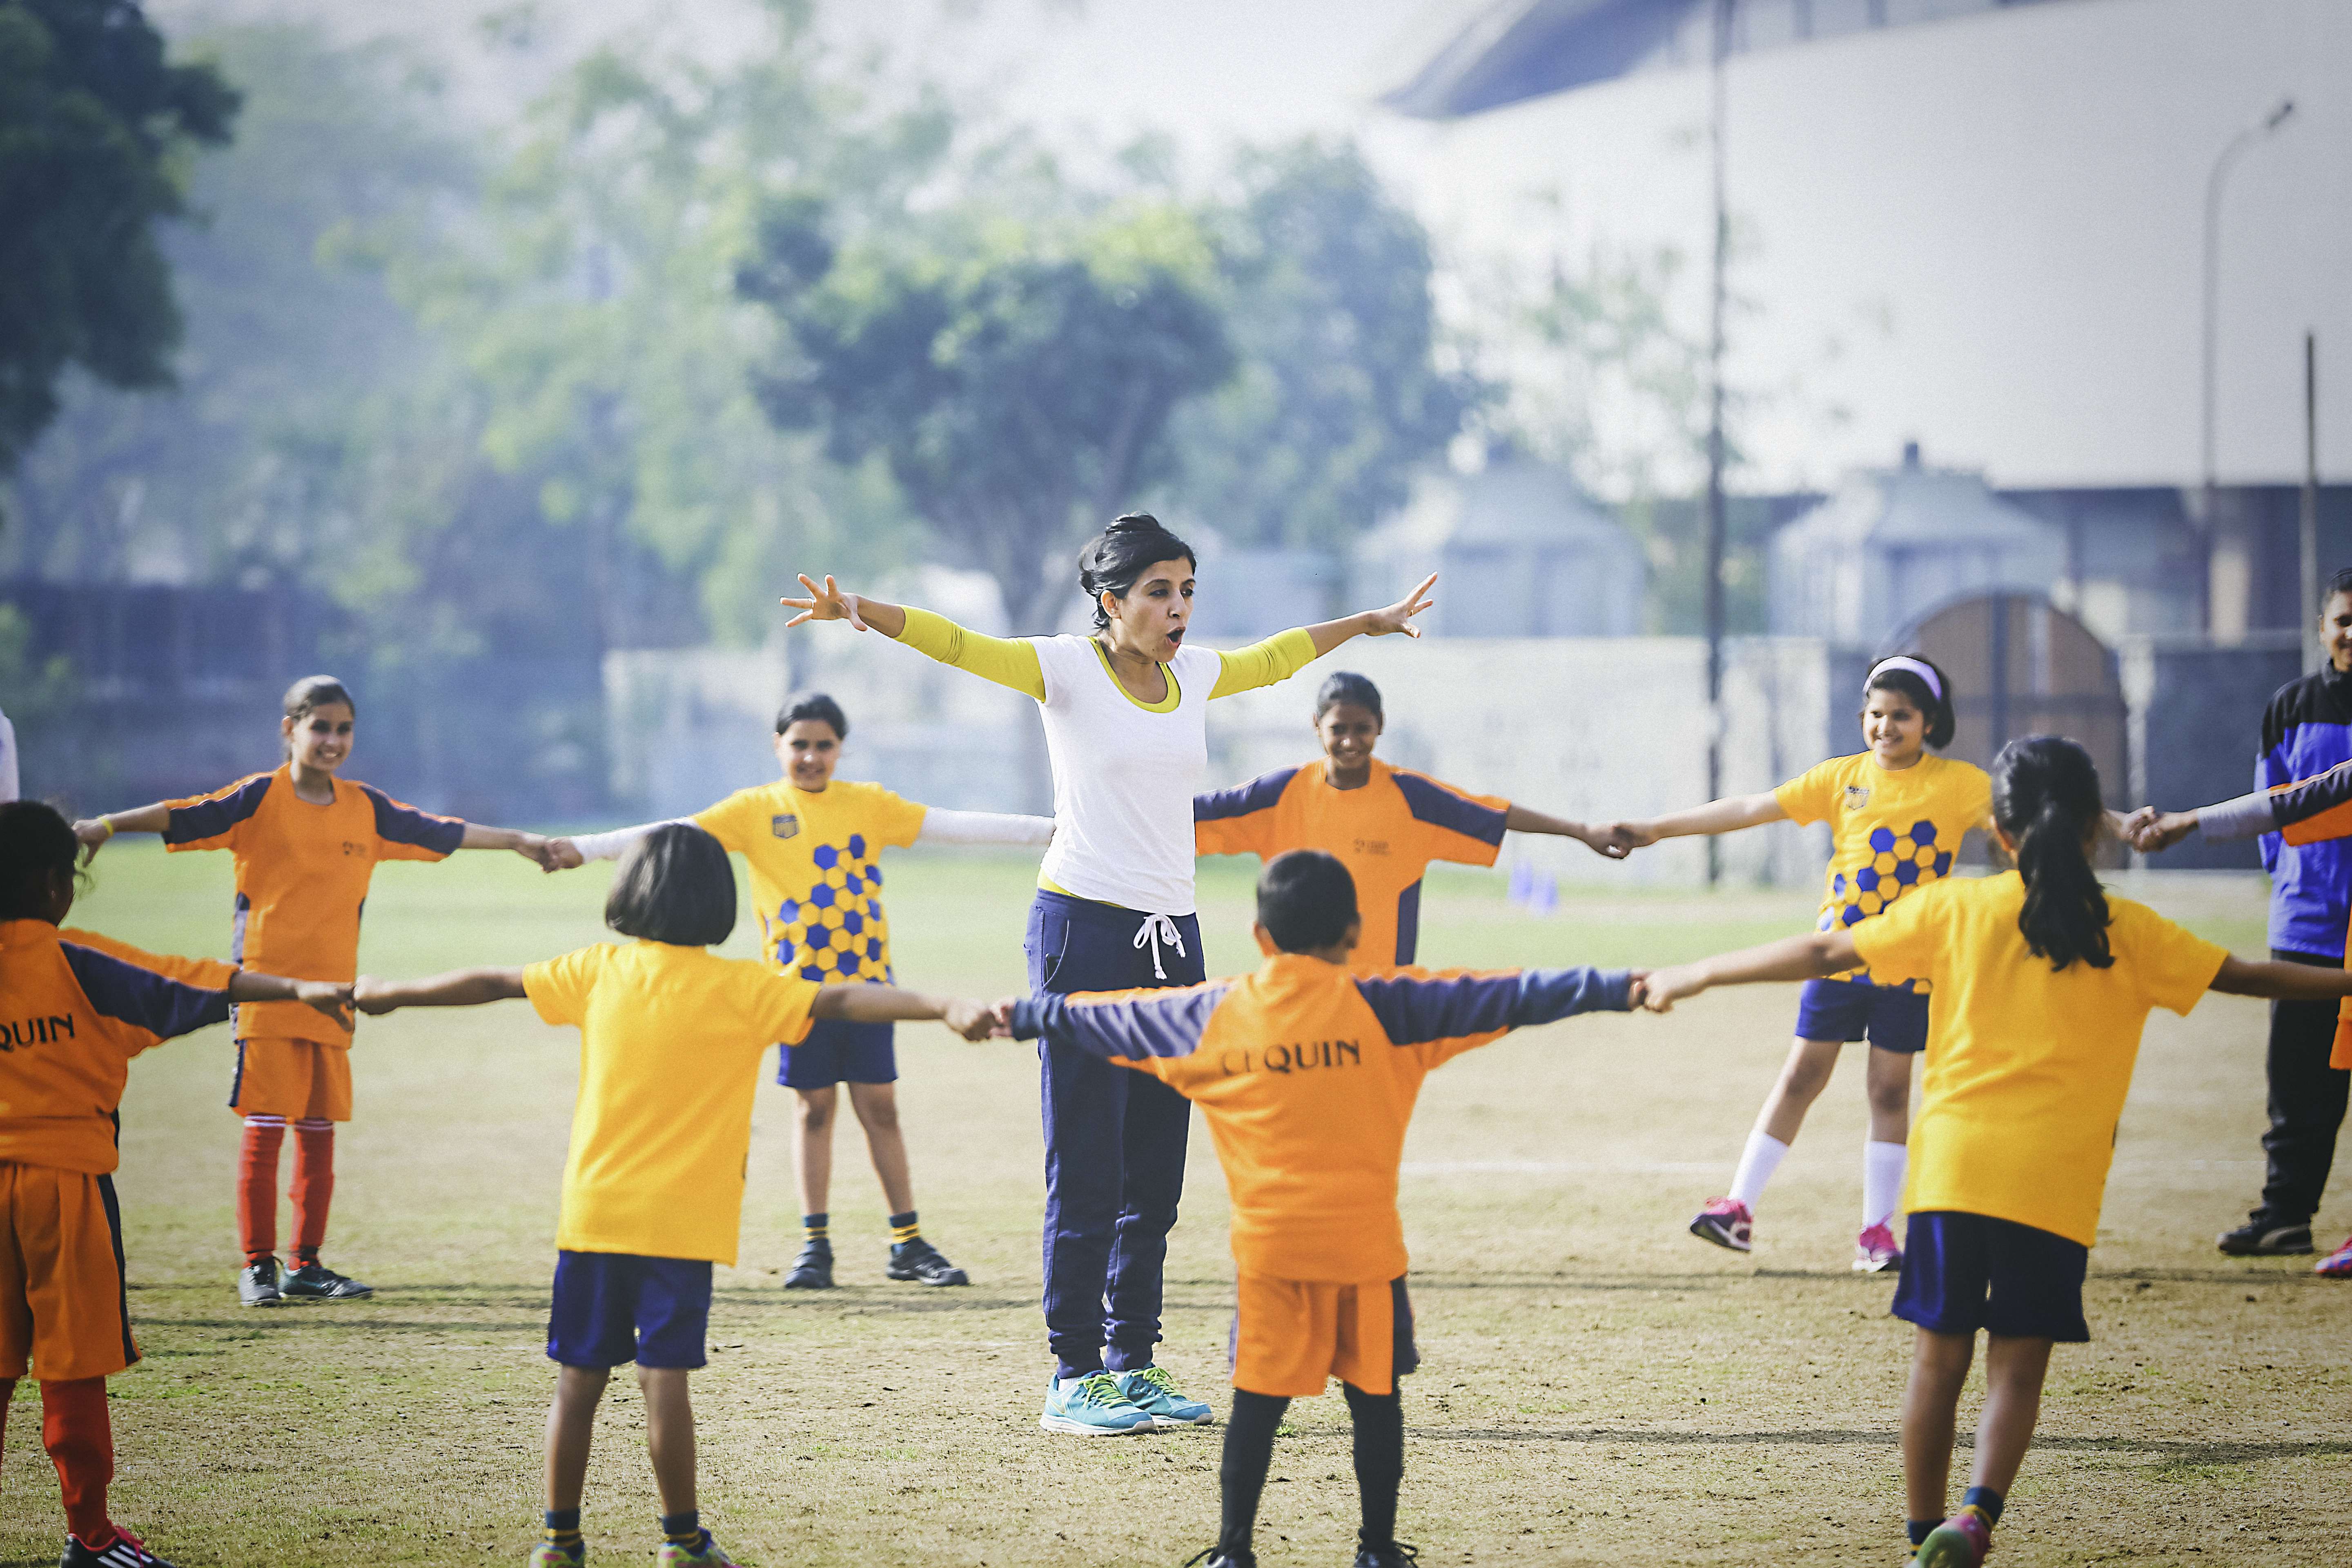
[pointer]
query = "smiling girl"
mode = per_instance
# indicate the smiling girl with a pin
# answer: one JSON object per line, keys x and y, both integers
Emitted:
{"x": 1896, "y": 817}
{"x": 307, "y": 842}
{"x": 1384, "y": 823}
{"x": 1125, "y": 715}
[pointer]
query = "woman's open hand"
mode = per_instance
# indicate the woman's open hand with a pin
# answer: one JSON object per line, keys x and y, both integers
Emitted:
{"x": 829, "y": 603}
{"x": 1397, "y": 617}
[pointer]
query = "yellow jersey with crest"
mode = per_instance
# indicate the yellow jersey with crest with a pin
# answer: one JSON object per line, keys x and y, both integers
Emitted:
{"x": 817, "y": 871}
{"x": 1892, "y": 831}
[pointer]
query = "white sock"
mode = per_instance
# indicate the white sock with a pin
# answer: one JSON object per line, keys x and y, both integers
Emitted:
{"x": 1757, "y": 1163}
{"x": 1883, "y": 1168}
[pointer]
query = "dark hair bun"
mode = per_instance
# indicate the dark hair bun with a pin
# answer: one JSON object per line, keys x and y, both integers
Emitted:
{"x": 1113, "y": 559}
{"x": 1135, "y": 522}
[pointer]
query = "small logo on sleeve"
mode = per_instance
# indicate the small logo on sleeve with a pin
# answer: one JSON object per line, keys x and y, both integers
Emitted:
{"x": 784, "y": 824}
{"x": 1857, "y": 796}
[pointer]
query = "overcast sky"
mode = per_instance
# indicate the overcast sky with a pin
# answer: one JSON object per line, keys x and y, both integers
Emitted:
{"x": 1982, "y": 234}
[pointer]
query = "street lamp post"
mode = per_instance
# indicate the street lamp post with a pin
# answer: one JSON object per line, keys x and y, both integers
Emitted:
{"x": 2210, "y": 503}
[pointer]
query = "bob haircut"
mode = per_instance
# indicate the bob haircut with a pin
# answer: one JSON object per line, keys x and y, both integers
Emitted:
{"x": 1347, "y": 685}
{"x": 1936, "y": 706}
{"x": 675, "y": 885}
{"x": 36, "y": 844}
{"x": 1306, "y": 899}
{"x": 1119, "y": 555}
{"x": 816, "y": 707}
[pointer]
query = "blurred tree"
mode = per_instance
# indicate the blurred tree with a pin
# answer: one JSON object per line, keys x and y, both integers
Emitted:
{"x": 293, "y": 342}
{"x": 1340, "y": 393}
{"x": 594, "y": 313}
{"x": 95, "y": 128}
{"x": 1018, "y": 377}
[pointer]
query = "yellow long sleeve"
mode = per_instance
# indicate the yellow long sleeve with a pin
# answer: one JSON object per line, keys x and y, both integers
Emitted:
{"x": 1278, "y": 657}
{"x": 1008, "y": 661}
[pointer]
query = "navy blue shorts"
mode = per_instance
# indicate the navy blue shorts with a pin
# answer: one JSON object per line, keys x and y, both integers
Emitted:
{"x": 614, "y": 1308}
{"x": 838, "y": 1051}
{"x": 1891, "y": 1017}
{"x": 1962, "y": 1272}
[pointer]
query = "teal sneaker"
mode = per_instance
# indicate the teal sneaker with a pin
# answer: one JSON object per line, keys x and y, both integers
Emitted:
{"x": 709, "y": 1554}
{"x": 1151, "y": 1390}
{"x": 1092, "y": 1407}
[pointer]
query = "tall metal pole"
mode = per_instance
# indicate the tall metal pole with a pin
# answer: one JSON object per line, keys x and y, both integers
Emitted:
{"x": 1715, "y": 520}
{"x": 2308, "y": 531}
{"x": 2210, "y": 498}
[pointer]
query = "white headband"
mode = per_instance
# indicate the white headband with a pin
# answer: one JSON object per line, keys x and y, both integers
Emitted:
{"x": 1913, "y": 666}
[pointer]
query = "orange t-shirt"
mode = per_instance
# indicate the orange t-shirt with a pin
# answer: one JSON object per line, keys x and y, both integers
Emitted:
{"x": 1386, "y": 832}
{"x": 302, "y": 873}
{"x": 1308, "y": 1074}
{"x": 74, "y": 1008}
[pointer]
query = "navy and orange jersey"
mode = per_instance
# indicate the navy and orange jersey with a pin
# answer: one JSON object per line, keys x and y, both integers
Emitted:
{"x": 1386, "y": 832}
{"x": 2307, "y": 731}
{"x": 1308, "y": 1074}
{"x": 74, "y": 1008}
{"x": 302, "y": 873}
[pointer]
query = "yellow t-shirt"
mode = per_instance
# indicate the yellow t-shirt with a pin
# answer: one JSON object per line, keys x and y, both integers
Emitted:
{"x": 2027, "y": 1066}
{"x": 670, "y": 1040}
{"x": 1891, "y": 832}
{"x": 817, "y": 871}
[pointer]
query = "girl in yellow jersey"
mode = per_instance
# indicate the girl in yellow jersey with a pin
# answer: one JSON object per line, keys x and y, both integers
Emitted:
{"x": 670, "y": 1039}
{"x": 1125, "y": 716}
{"x": 813, "y": 844}
{"x": 1897, "y": 815}
{"x": 2042, "y": 986}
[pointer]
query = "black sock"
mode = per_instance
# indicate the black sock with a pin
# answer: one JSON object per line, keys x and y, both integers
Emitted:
{"x": 904, "y": 1228}
{"x": 1919, "y": 1530}
{"x": 1249, "y": 1451}
{"x": 1379, "y": 1459}
{"x": 686, "y": 1529}
{"x": 1986, "y": 1498}
{"x": 815, "y": 1226}
{"x": 563, "y": 1526}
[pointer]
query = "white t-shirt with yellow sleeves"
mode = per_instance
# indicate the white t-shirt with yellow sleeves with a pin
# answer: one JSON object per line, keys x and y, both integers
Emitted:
{"x": 670, "y": 1041}
{"x": 1891, "y": 832}
{"x": 2027, "y": 1066}
{"x": 817, "y": 871}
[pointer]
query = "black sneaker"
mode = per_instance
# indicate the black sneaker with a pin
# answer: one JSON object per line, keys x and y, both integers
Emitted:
{"x": 2263, "y": 1236}
{"x": 1394, "y": 1554}
{"x": 125, "y": 1551}
{"x": 920, "y": 1261}
{"x": 256, "y": 1285}
{"x": 316, "y": 1282}
{"x": 1223, "y": 1557}
{"x": 813, "y": 1269}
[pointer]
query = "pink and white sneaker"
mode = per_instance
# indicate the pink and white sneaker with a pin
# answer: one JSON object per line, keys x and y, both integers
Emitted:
{"x": 1727, "y": 1223}
{"x": 2336, "y": 1265}
{"x": 1875, "y": 1251}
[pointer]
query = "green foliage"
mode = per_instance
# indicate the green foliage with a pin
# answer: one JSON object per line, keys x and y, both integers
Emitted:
{"x": 594, "y": 312}
{"x": 1341, "y": 394}
{"x": 95, "y": 126}
{"x": 1017, "y": 377}
{"x": 294, "y": 347}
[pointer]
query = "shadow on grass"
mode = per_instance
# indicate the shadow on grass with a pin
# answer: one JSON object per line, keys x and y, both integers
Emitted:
{"x": 2169, "y": 1450}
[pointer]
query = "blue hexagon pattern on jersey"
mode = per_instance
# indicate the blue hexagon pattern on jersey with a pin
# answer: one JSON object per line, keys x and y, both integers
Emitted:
{"x": 1898, "y": 862}
{"x": 837, "y": 930}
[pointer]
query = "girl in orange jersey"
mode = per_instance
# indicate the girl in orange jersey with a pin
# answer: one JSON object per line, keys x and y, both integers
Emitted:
{"x": 1384, "y": 823}
{"x": 306, "y": 843}
{"x": 74, "y": 1009}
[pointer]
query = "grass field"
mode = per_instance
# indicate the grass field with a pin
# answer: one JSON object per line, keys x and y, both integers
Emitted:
{"x": 1598, "y": 1387}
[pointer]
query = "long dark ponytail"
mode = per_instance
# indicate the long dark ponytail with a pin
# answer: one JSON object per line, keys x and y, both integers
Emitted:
{"x": 2045, "y": 797}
